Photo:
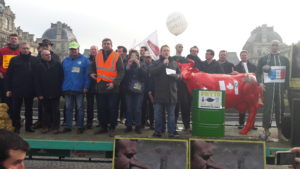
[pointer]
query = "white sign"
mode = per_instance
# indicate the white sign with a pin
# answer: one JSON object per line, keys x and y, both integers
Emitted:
{"x": 210, "y": 100}
{"x": 170, "y": 71}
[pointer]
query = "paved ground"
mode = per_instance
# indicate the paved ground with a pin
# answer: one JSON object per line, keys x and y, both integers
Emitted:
{"x": 35, "y": 164}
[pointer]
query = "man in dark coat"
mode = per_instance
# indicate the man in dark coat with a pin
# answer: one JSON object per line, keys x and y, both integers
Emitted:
{"x": 244, "y": 66}
{"x": 165, "y": 73}
{"x": 275, "y": 87}
{"x": 194, "y": 56}
{"x": 210, "y": 65}
{"x": 48, "y": 81}
{"x": 227, "y": 67}
{"x": 20, "y": 86}
{"x": 44, "y": 45}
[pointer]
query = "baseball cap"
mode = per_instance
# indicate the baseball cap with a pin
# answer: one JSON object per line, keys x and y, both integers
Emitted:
{"x": 74, "y": 45}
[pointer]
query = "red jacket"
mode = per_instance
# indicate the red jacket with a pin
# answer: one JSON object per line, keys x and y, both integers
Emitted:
{"x": 5, "y": 56}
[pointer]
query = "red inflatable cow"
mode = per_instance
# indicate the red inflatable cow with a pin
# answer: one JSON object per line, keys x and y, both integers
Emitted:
{"x": 243, "y": 93}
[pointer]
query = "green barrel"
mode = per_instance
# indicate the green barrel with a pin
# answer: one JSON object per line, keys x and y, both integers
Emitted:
{"x": 208, "y": 113}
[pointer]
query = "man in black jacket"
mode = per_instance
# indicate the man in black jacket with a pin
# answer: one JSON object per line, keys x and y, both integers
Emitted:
{"x": 48, "y": 81}
{"x": 165, "y": 72}
{"x": 44, "y": 45}
{"x": 20, "y": 86}
{"x": 211, "y": 65}
{"x": 194, "y": 56}
{"x": 228, "y": 67}
{"x": 244, "y": 66}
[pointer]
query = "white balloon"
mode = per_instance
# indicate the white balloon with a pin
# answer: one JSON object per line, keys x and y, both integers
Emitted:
{"x": 176, "y": 23}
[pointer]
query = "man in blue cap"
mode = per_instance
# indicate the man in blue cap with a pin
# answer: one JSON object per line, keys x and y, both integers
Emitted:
{"x": 75, "y": 85}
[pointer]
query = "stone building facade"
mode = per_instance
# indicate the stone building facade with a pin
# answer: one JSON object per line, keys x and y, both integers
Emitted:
{"x": 259, "y": 43}
{"x": 60, "y": 34}
{"x": 7, "y": 26}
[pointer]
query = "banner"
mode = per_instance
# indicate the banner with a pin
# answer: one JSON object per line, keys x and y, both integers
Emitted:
{"x": 276, "y": 75}
{"x": 151, "y": 42}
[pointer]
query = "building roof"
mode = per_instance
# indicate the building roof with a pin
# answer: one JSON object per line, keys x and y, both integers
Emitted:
{"x": 59, "y": 29}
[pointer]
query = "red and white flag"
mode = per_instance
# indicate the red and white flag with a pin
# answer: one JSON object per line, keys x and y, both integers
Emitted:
{"x": 152, "y": 44}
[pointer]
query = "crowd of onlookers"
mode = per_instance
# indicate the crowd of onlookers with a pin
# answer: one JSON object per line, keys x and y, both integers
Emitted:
{"x": 125, "y": 85}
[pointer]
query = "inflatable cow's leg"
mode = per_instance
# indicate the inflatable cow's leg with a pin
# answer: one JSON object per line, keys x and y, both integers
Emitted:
{"x": 250, "y": 121}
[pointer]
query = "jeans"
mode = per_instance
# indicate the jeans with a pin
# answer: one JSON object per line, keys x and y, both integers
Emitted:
{"x": 108, "y": 109}
{"x": 70, "y": 100}
{"x": 158, "y": 116}
{"x": 134, "y": 109}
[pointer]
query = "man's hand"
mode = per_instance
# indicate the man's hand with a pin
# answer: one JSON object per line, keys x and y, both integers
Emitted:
{"x": 8, "y": 94}
{"x": 135, "y": 162}
{"x": 151, "y": 97}
{"x": 85, "y": 90}
{"x": 122, "y": 162}
{"x": 166, "y": 61}
{"x": 1, "y": 75}
{"x": 93, "y": 76}
{"x": 297, "y": 159}
{"x": 110, "y": 86}
{"x": 41, "y": 97}
{"x": 137, "y": 62}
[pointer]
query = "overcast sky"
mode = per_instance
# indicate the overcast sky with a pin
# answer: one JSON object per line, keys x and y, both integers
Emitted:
{"x": 215, "y": 24}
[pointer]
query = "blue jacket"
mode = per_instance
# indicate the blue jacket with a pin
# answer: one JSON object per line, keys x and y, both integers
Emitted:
{"x": 76, "y": 71}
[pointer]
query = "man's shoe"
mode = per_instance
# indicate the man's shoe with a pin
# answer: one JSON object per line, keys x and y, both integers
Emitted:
{"x": 176, "y": 134}
{"x": 100, "y": 131}
{"x": 111, "y": 133}
{"x": 138, "y": 130}
{"x": 156, "y": 135}
{"x": 89, "y": 126}
{"x": 17, "y": 131}
{"x": 128, "y": 129}
{"x": 57, "y": 131}
{"x": 254, "y": 128}
{"x": 66, "y": 130}
{"x": 37, "y": 125}
{"x": 45, "y": 130}
{"x": 80, "y": 130}
{"x": 30, "y": 130}
{"x": 241, "y": 126}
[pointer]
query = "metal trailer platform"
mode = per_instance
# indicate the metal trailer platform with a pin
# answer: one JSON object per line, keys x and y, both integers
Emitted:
{"x": 90, "y": 147}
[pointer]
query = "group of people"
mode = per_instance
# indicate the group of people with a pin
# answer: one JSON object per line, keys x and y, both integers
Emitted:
{"x": 127, "y": 86}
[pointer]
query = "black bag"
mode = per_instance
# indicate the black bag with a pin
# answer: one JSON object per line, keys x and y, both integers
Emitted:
{"x": 136, "y": 86}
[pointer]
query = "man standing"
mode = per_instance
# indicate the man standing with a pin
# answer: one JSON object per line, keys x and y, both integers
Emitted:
{"x": 108, "y": 71}
{"x": 244, "y": 66}
{"x": 147, "y": 106}
{"x": 184, "y": 98}
{"x": 75, "y": 85}
{"x": 13, "y": 150}
{"x": 210, "y": 65}
{"x": 228, "y": 67}
{"x": 20, "y": 86}
{"x": 194, "y": 56}
{"x": 48, "y": 81}
{"x": 44, "y": 45}
{"x": 165, "y": 73}
{"x": 91, "y": 94}
{"x": 273, "y": 73}
{"x": 122, "y": 93}
{"x": 142, "y": 53}
{"x": 6, "y": 54}
{"x": 47, "y": 45}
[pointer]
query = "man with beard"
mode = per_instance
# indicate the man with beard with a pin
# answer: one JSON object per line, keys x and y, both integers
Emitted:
{"x": 6, "y": 54}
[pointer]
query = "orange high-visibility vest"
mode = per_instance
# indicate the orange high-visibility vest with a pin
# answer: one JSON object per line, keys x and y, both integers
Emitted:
{"x": 106, "y": 71}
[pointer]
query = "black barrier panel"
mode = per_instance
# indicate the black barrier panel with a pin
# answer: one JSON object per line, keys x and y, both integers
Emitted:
{"x": 295, "y": 139}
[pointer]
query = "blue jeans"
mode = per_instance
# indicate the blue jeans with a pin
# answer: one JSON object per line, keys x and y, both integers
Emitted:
{"x": 158, "y": 117}
{"x": 70, "y": 100}
{"x": 108, "y": 109}
{"x": 134, "y": 109}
